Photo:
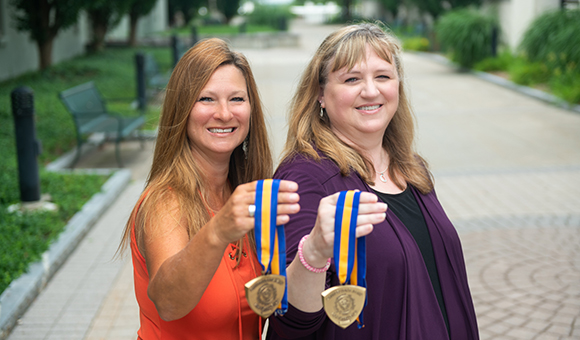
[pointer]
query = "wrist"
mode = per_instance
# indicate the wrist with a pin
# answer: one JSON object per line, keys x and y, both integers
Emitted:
{"x": 305, "y": 263}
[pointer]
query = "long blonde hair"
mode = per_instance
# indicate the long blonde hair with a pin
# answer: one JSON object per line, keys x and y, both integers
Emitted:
{"x": 345, "y": 48}
{"x": 175, "y": 175}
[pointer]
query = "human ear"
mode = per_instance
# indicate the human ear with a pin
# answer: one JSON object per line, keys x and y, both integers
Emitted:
{"x": 321, "y": 97}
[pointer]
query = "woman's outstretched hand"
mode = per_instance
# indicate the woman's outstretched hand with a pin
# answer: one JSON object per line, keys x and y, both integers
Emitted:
{"x": 233, "y": 221}
{"x": 320, "y": 244}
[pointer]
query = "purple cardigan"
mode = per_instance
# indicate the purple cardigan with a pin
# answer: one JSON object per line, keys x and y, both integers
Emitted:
{"x": 401, "y": 301}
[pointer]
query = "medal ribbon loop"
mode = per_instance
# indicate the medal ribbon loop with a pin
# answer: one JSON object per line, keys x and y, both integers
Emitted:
{"x": 270, "y": 238}
{"x": 349, "y": 252}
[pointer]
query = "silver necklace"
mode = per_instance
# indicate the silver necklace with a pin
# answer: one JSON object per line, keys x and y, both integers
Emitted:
{"x": 382, "y": 174}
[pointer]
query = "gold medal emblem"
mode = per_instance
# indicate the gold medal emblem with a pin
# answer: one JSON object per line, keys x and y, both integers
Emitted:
{"x": 264, "y": 293}
{"x": 343, "y": 304}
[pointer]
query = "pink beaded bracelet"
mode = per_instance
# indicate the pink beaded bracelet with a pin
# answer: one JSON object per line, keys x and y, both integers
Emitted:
{"x": 305, "y": 264}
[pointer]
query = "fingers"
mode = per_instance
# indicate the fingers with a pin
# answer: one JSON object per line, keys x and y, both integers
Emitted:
{"x": 365, "y": 197}
{"x": 288, "y": 186}
{"x": 372, "y": 208}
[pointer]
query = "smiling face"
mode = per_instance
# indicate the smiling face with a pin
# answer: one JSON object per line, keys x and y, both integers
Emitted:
{"x": 361, "y": 102}
{"x": 220, "y": 118}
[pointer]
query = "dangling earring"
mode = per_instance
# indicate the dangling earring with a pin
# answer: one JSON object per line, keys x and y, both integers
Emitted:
{"x": 321, "y": 110}
{"x": 245, "y": 147}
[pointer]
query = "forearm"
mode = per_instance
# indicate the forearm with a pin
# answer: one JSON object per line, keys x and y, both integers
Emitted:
{"x": 182, "y": 279}
{"x": 305, "y": 287}
{"x": 307, "y": 277}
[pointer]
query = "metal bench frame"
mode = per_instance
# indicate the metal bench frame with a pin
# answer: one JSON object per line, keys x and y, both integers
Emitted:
{"x": 89, "y": 111}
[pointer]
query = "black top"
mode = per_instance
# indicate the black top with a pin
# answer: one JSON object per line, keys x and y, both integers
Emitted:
{"x": 405, "y": 207}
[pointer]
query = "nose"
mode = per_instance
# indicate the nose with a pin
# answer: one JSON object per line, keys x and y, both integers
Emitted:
{"x": 370, "y": 89}
{"x": 223, "y": 112}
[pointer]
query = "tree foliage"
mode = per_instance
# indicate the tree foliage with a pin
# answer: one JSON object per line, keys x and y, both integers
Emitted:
{"x": 229, "y": 8}
{"x": 43, "y": 20}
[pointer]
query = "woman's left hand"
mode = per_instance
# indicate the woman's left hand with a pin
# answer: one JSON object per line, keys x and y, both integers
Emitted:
{"x": 320, "y": 243}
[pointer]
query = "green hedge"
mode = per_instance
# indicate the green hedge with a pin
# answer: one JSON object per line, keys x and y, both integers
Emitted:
{"x": 415, "y": 44}
{"x": 275, "y": 16}
{"x": 553, "y": 40}
{"x": 548, "y": 57}
{"x": 466, "y": 34}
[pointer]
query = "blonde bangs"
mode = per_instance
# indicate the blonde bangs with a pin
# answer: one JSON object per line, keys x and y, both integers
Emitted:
{"x": 351, "y": 51}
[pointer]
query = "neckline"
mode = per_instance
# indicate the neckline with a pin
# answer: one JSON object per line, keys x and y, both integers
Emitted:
{"x": 392, "y": 195}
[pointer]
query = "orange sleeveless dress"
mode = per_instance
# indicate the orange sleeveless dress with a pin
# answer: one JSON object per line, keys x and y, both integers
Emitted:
{"x": 223, "y": 311}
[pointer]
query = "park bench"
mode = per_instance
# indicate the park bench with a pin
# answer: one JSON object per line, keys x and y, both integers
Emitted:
{"x": 89, "y": 111}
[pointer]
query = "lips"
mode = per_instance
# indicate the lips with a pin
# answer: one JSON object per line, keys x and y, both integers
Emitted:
{"x": 369, "y": 107}
{"x": 217, "y": 130}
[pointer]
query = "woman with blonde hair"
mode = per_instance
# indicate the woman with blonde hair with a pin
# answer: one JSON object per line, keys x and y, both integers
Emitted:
{"x": 189, "y": 233}
{"x": 351, "y": 128}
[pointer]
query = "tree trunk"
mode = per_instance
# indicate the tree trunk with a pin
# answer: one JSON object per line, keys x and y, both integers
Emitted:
{"x": 346, "y": 10}
{"x": 99, "y": 31}
{"x": 133, "y": 19}
{"x": 45, "y": 53}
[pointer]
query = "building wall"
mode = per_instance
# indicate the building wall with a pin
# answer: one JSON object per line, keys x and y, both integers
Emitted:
{"x": 19, "y": 53}
{"x": 516, "y": 15}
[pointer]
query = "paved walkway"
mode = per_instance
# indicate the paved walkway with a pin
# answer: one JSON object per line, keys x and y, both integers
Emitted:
{"x": 507, "y": 170}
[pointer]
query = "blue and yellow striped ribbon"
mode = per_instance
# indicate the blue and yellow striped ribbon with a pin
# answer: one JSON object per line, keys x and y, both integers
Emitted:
{"x": 349, "y": 252}
{"x": 270, "y": 239}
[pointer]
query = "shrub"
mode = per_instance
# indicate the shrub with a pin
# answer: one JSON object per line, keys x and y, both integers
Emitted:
{"x": 466, "y": 34}
{"x": 528, "y": 73}
{"x": 566, "y": 86}
{"x": 416, "y": 44}
{"x": 554, "y": 39}
{"x": 276, "y": 16}
{"x": 500, "y": 63}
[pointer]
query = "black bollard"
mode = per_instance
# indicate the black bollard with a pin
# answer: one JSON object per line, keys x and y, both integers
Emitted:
{"x": 175, "y": 49}
{"x": 141, "y": 86}
{"x": 194, "y": 37}
{"x": 494, "y": 38}
{"x": 27, "y": 146}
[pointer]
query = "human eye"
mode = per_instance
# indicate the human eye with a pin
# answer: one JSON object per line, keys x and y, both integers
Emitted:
{"x": 238, "y": 99}
{"x": 351, "y": 80}
{"x": 384, "y": 76}
{"x": 205, "y": 99}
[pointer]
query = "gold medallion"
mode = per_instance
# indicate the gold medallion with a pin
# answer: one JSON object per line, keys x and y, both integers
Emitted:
{"x": 264, "y": 293}
{"x": 343, "y": 304}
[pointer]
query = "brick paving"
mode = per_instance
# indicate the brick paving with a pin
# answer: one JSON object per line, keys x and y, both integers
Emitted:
{"x": 507, "y": 171}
